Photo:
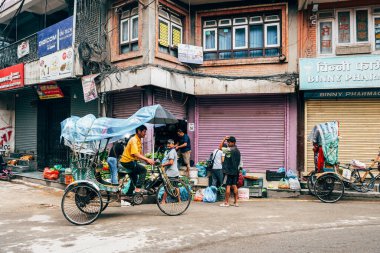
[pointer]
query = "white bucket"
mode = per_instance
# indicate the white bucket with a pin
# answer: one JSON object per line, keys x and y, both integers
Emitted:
{"x": 243, "y": 193}
{"x": 193, "y": 173}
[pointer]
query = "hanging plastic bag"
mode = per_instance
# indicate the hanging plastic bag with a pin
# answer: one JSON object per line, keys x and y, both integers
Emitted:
{"x": 294, "y": 184}
{"x": 290, "y": 174}
{"x": 240, "y": 181}
{"x": 283, "y": 184}
{"x": 125, "y": 188}
{"x": 202, "y": 171}
{"x": 210, "y": 194}
{"x": 199, "y": 195}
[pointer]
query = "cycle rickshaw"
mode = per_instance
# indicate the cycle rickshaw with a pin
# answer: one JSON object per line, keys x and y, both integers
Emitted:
{"x": 330, "y": 179}
{"x": 89, "y": 195}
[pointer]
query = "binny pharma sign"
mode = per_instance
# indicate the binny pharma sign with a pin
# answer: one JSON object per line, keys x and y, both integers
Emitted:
{"x": 340, "y": 72}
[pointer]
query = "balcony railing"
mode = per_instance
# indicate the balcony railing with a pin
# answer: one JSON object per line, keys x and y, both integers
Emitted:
{"x": 8, "y": 54}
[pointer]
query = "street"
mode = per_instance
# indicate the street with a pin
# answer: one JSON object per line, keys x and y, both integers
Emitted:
{"x": 32, "y": 221}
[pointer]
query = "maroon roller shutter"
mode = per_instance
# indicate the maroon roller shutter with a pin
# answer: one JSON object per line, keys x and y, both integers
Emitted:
{"x": 173, "y": 101}
{"x": 126, "y": 103}
{"x": 258, "y": 123}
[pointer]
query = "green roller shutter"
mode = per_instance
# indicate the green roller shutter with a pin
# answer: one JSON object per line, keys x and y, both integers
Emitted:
{"x": 78, "y": 106}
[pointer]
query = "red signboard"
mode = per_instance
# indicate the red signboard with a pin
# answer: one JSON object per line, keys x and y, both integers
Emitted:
{"x": 12, "y": 77}
{"x": 49, "y": 91}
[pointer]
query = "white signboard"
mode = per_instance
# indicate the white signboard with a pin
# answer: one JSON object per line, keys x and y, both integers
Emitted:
{"x": 190, "y": 54}
{"x": 32, "y": 72}
{"x": 191, "y": 127}
{"x": 23, "y": 49}
{"x": 57, "y": 66}
{"x": 89, "y": 88}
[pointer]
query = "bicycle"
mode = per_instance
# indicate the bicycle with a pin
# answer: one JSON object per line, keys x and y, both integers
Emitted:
{"x": 329, "y": 186}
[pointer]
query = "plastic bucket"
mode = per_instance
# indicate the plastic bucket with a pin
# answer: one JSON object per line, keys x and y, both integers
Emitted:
{"x": 193, "y": 173}
{"x": 243, "y": 193}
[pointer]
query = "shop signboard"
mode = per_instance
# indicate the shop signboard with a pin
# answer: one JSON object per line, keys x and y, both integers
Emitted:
{"x": 23, "y": 49}
{"x": 340, "y": 72}
{"x": 57, "y": 66}
{"x": 12, "y": 77}
{"x": 190, "y": 54}
{"x": 343, "y": 94}
{"x": 55, "y": 37}
{"x": 49, "y": 91}
{"x": 89, "y": 88}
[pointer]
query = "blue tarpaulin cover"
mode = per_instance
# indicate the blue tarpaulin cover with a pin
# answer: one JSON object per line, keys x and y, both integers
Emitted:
{"x": 85, "y": 133}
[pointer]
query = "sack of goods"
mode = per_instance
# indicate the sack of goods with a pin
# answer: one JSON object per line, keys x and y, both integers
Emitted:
{"x": 51, "y": 174}
{"x": 284, "y": 184}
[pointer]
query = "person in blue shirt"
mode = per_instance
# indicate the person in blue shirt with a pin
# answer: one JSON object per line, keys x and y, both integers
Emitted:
{"x": 184, "y": 147}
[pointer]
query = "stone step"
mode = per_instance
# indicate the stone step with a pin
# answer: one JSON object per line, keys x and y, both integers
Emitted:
{"x": 19, "y": 168}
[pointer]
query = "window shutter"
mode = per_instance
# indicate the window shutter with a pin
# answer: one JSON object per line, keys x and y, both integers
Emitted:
{"x": 164, "y": 31}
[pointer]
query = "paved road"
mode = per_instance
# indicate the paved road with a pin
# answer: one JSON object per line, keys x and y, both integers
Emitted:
{"x": 31, "y": 221}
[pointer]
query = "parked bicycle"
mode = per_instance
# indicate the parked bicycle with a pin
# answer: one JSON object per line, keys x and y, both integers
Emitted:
{"x": 329, "y": 186}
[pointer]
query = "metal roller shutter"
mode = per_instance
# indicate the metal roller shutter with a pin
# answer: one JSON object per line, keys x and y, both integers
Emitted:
{"x": 26, "y": 121}
{"x": 359, "y": 128}
{"x": 125, "y": 104}
{"x": 78, "y": 106}
{"x": 173, "y": 101}
{"x": 258, "y": 123}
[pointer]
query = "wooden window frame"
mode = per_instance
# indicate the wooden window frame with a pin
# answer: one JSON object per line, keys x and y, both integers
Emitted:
{"x": 368, "y": 26}
{"x": 123, "y": 42}
{"x": 133, "y": 39}
{"x": 234, "y": 49}
{"x": 171, "y": 33}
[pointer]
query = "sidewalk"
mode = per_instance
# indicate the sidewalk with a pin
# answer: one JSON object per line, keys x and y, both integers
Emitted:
{"x": 36, "y": 177}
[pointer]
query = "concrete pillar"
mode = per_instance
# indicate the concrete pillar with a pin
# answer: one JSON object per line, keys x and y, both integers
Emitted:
{"x": 148, "y": 99}
{"x": 191, "y": 114}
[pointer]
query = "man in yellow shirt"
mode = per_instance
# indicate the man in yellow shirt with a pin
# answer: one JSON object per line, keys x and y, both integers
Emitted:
{"x": 130, "y": 157}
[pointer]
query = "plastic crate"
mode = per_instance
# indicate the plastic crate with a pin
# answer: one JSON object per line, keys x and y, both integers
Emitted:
{"x": 253, "y": 182}
{"x": 255, "y": 192}
{"x": 274, "y": 176}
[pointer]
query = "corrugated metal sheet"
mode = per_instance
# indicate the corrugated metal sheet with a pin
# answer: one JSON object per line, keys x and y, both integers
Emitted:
{"x": 78, "y": 106}
{"x": 359, "y": 127}
{"x": 258, "y": 123}
{"x": 173, "y": 101}
{"x": 26, "y": 121}
{"x": 126, "y": 103}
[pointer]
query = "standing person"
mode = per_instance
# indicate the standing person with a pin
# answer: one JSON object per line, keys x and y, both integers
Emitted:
{"x": 115, "y": 152}
{"x": 130, "y": 157}
{"x": 217, "y": 172}
{"x": 231, "y": 169}
{"x": 170, "y": 164}
{"x": 184, "y": 146}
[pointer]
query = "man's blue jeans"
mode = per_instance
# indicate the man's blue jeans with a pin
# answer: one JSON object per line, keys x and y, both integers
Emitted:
{"x": 112, "y": 162}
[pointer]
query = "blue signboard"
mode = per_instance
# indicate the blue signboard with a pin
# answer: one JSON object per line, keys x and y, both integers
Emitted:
{"x": 340, "y": 72}
{"x": 55, "y": 37}
{"x": 343, "y": 94}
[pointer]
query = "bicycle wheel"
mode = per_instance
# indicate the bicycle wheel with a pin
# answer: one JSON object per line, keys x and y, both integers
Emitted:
{"x": 81, "y": 205}
{"x": 177, "y": 200}
{"x": 311, "y": 182}
{"x": 329, "y": 188}
{"x": 359, "y": 186}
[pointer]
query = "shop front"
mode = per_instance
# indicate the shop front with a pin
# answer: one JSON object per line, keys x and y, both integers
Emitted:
{"x": 261, "y": 124}
{"x": 346, "y": 89}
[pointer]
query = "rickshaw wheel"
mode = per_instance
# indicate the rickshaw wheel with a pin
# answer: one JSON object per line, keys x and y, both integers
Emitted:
{"x": 329, "y": 188}
{"x": 82, "y": 204}
{"x": 311, "y": 183}
{"x": 172, "y": 206}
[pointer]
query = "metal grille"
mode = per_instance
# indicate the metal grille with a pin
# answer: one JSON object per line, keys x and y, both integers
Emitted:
{"x": 8, "y": 55}
{"x": 258, "y": 123}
